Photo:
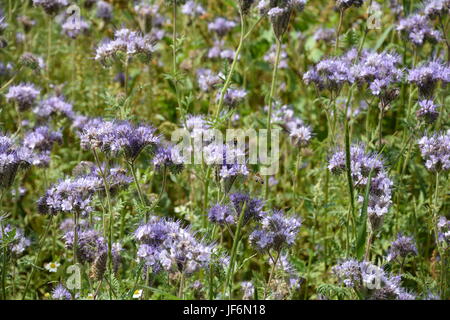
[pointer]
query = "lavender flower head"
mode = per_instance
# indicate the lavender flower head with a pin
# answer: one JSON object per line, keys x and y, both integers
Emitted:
{"x": 276, "y": 232}
{"x": 55, "y": 105}
{"x": 362, "y": 164}
{"x": 253, "y": 207}
{"x": 104, "y": 10}
{"x": 301, "y": 136}
{"x": 169, "y": 158}
{"x": 165, "y": 245}
{"x": 12, "y": 158}
{"x": 248, "y": 289}
{"x": 428, "y": 111}
{"x": 279, "y": 12}
{"x": 127, "y": 42}
{"x": 193, "y": 9}
{"x": 222, "y": 214}
{"x": 24, "y": 95}
{"x": 232, "y": 97}
{"x": 61, "y": 293}
{"x": 221, "y": 26}
{"x": 401, "y": 248}
{"x": 207, "y": 80}
{"x": 371, "y": 281}
{"x": 51, "y": 7}
{"x": 435, "y": 150}
{"x": 18, "y": 243}
{"x": 443, "y": 227}
{"x": 40, "y": 141}
{"x": 435, "y": 8}
{"x": 427, "y": 76}
{"x": 419, "y": 30}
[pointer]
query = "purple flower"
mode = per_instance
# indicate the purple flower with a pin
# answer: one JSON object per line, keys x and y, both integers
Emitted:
{"x": 435, "y": 150}
{"x": 427, "y": 76}
{"x": 276, "y": 232}
{"x": 435, "y": 8}
{"x": 18, "y": 243}
{"x": 221, "y": 26}
{"x": 169, "y": 158}
{"x": 207, "y": 80}
{"x": 12, "y": 158}
{"x": 232, "y": 97}
{"x": 75, "y": 26}
{"x": 253, "y": 207}
{"x": 419, "y": 30}
{"x": 428, "y": 111}
{"x": 61, "y": 293}
{"x": 362, "y": 164}
{"x": 222, "y": 214}
{"x": 401, "y": 247}
{"x": 55, "y": 105}
{"x": 301, "y": 136}
{"x": 51, "y": 7}
{"x": 104, "y": 10}
{"x": 24, "y": 95}
{"x": 443, "y": 227}
{"x": 324, "y": 34}
{"x": 192, "y": 9}
{"x": 165, "y": 245}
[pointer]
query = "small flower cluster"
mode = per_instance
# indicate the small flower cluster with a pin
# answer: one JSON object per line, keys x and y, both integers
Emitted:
{"x": 379, "y": 71}
{"x": 104, "y": 10}
{"x": 207, "y": 80}
{"x": 401, "y": 248}
{"x": 125, "y": 42}
{"x": 249, "y": 290}
{"x": 24, "y": 95}
{"x": 443, "y": 227}
{"x": 280, "y": 12}
{"x": 332, "y": 73}
{"x": 74, "y": 195}
{"x": 165, "y": 245}
{"x": 324, "y": 34}
{"x": 418, "y": 29}
{"x": 428, "y": 111}
{"x": 51, "y": 7}
{"x": 16, "y": 244}
{"x": 286, "y": 281}
{"x": 276, "y": 232}
{"x": 222, "y": 214}
{"x": 371, "y": 281}
{"x": 40, "y": 141}
{"x": 61, "y": 293}
{"x": 113, "y": 137}
{"x": 168, "y": 157}
{"x": 192, "y": 9}
{"x": 221, "y": 26}
{"x": 253, "y": 207}
{"x": 435, "y": 8}
{"x": 229, "y": 160}
{"x": 345, "y": 4}
{"x": 55, "y": 105}
{"x": 362, "y": 164}
{"x": 12, "y": 158}
{"x": 218, "y": 50}
{"x": 427, "y": 76}
{"x": 232, "y": 97}
{"x": 435, "y": 150}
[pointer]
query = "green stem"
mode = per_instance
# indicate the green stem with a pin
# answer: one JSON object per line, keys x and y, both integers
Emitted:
{"x": 341, "y": 16}
{"x": 229, "y": 282}
{"x": 269, "y": 113}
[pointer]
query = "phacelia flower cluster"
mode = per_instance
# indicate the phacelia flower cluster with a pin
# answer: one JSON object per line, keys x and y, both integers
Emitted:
{"x": 221, "y": 26}
{"x": 419, "y": 30}
{"x": 207, "y": 80}
{"x": 371, "y": 281}
{"x": 75, "y": 26}
{"x": 40, "y": 141}
{"x": 12, "y": 158}
{"x": 232, "y": 97}
{"x": 401, "y": 248}
{"x": 51, "y": 7}
{"x": 427, "y": 111}
{"x": 193, "y": 9}
{"x": 74, "y": 195}
{"x": 54, "y": 106}
{"x": 276, "y": 232}
{"x": 362, "y": 164}
{"x": 61, "y": 293}
{"x": 435, "y": 8}
{"x": 218, "y": 50}
{"x": 126, "y": 42}
{"x": 24, "y": 95}
{"x": 113, "y": 137}
{"x": 169, "y": 158}
{"x": 165, "y": 245}
{"x": 443, "y": 227}
{"x": 16, "y": 244}
{"x": 332, "y": 73}
{"x": 379, "y": 71}
{"x": 435, "y": 150}
{"x": 428, "y": 75}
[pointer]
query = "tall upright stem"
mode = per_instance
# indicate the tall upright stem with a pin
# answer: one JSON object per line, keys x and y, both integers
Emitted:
{"x": 341, "y": 16}
{"x": 269, "y": 113}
